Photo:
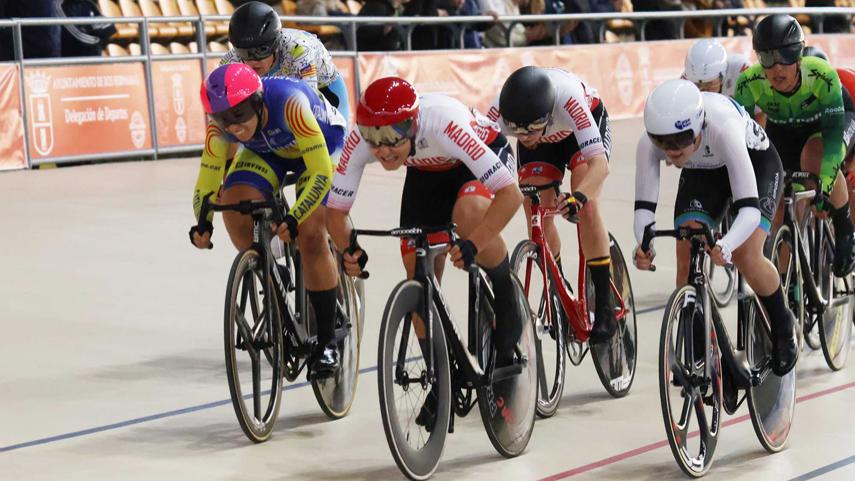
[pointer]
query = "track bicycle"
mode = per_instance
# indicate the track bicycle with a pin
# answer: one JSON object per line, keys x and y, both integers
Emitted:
{"x": 563, "y": 321}
{"x": 408, "y": 371}
{"x": 701, "y": 371}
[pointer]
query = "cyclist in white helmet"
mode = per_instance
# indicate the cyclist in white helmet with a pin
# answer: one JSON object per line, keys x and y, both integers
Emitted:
{"x": 723, "y": 154}
{"x": 712, "y": 69}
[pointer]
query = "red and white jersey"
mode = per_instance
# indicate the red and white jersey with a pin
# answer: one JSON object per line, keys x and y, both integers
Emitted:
{"x": 574, "y": 101}
{"x": 448, "y": 133}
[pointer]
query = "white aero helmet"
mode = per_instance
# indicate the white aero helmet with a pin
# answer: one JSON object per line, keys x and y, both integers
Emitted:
{"x": 674, "y": 114}
{"x": 705, "y": 62}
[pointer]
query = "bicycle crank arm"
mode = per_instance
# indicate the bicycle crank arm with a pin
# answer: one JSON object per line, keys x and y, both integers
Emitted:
{"x": 760, "y": 374}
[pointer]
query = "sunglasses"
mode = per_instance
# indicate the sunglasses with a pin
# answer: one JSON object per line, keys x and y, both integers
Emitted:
{"x": 677, "y": 141}
{"x": 387, "y": 135}
{"x": 235, "y": 115}
{"x": 260, "y": 52}
{"x": 520, "y": 129}
{"x": 710, "y": 85}
{"x": 785, "y": 55}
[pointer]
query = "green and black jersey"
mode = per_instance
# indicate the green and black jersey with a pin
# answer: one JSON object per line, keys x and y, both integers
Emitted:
{"x": 815, "y": 107}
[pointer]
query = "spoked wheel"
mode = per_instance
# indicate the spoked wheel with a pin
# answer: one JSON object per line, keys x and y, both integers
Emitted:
{"x": 688, "y": 402}
{"x": 335, "y": 394}
{"x": 615, "y": 360}
{"x": 784, "y": 258}
{"x": 253, "y": 346}
{"x": 834, "y": 326}
{"x": 508, "y": 405}
{"x": 548, "y": 325}
{"x": 772, "y": 403}
{"x": 811, "y": 319}
{"x": 407, "y": 395}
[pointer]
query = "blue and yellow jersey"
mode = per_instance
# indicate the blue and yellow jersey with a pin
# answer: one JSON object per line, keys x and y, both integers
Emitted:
{"x": 297, "y": 124}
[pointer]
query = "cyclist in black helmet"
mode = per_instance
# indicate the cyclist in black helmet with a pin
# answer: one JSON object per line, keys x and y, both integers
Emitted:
{"x": 804, "y": 105}
{"x": 561, "y": 123}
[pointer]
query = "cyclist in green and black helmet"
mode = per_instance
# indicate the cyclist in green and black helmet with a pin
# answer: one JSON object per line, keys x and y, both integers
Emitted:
{"x": 804, "y": 105}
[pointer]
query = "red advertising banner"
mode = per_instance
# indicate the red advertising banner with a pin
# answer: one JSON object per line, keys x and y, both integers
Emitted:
{"x": 623, "y": 73}
{"x": 179, "y": 116}
{"x": 91, "y": 109}
{"x": 11, "y": 121}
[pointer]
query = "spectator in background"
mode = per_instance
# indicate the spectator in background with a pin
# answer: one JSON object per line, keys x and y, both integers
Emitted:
{"x": 39, "y": 42}
{"x": 472, "y": 33}
{"x": 572, "y": 32}
{"x": 322, "y": 8}
{"x": 659, "y": 29}
{"x": 84, "y": 40}
{"x": 374, "y": 38}
{"x": 426, "y": 37}
{"x": 503, "y": 35}
{"x": 830, "y": 23}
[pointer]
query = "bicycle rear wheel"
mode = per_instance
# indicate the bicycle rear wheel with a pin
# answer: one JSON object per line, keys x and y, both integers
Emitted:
{"x": 335, "y": 394}
{"x": 508, "y": 405}
{"x": 549, "y": 327}
{"x": 253, "y": 346}
{"x": 685, "y": 398}
{"x": 615, "y": 360}
{"x": 404, "y": 387}
{"x": 834, "y": 326}
{"x": 772, "y": 403}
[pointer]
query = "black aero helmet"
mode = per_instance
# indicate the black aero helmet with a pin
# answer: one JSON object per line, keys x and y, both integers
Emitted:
{"x": 254, "y": 24}
{"x": 777, "y": 31}
{"x": 527, "y": 98}
{"x": 811, "y": 51}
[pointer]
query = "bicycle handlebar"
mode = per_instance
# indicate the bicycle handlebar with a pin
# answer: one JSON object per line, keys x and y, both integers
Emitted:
{"x": 681, "y": 233}
{"x": 532, "y": 190}
{"x": 418, "y": 232}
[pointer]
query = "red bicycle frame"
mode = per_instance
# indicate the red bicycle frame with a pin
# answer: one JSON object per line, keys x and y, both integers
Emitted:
{"x": 575, "y": 308}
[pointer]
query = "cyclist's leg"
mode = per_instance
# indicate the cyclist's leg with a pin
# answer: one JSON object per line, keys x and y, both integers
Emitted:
{"x": 250, "y": 178}
{"x": 844, "y": 255}
{"x": 759, "y": 272}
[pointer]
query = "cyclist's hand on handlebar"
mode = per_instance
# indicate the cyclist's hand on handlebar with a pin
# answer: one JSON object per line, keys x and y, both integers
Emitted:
{"x": 643, "y": 260}
{"x": 571, "y": 204}
{"x": 463, "y": 254}
{"x": 718, "y": 256}
{"x": 354, "y": 261}
{"x": 200, "y": 235}
{"x": 287, "y": 231}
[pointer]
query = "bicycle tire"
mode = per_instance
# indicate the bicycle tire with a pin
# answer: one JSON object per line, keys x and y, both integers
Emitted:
{"x": 267, "y": 344}
{"x": 335, "y": 395}
{"x": 810, "y": 330}
{"x": 416, "y": 463}
{"x": 508, "y": 406}
{"x": 681, "y": 305}
{"x": 772, "y": 403}
{"x": 615, "y": 361}
{"x": 527, "y": 264}
{"x": 835, "y": 330}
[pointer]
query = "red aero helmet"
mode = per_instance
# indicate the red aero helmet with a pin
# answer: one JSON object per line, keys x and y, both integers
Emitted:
{"x": 229, "y": 85}
{"x": 387, "y": 101}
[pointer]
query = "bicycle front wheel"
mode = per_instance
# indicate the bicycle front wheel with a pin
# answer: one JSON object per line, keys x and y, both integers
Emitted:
{"x": 253, "y": 346}
{"x": 549, "y": 326}
{"x": 784, "y": 258}
{"x": 615, "y": 360}
{"x": 686, "y": 398}
{"x": 404, "y": 385}
{"x": 772, "y": 403}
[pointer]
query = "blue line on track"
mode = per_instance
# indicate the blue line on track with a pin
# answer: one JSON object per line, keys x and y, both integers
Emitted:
{"x": 825, "y": 469}
{"x": 178, "y": 412}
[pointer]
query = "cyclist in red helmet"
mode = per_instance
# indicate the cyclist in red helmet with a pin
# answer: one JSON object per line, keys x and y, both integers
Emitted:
{"x": 460, "y": 168}
{"x": 284, "y": 126}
